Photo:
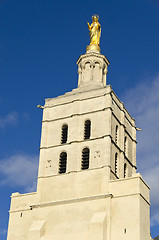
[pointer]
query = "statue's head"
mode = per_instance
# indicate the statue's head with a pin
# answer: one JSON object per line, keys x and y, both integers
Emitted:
{"x": 95, "y": 18}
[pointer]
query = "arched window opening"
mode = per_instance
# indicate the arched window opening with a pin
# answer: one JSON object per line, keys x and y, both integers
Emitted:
{"x": 85, "y": 159}
{"x": 125, "y": 170}
{"x": 62, "y": 162}
{"x": 116, "y": 164}
{"x": 64, "y": 134}
{"x": 116, "y": 134}
{"x": 87, "y": 129}
{"x": 125, "y": 145}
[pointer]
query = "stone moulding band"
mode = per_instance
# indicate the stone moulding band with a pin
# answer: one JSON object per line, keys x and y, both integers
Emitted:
{"x": 134, "y": 194}
{"x": 72, "y": 200}
{"x": 77, "y": 200}
{"x": 76, "y": 114}
{"x": 78, "y": 141}
{"x": 73, "y": 171}
{"x": 97, "y": 138}
{"x": 80, "y": 114}
{"x": 40, "y": 205}
{"x": 78, "y": 99}
{"x": 123, "y": 110}
{"x": 94, "y": 54}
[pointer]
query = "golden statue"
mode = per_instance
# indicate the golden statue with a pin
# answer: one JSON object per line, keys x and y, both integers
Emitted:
{"x": 95, "y": 32}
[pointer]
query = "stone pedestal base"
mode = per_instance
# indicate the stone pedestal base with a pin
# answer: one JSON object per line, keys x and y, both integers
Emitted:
{"x": 93, "y": 47}
{"x": 92, "y": 68}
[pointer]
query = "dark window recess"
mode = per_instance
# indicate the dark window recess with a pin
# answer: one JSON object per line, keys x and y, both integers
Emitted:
{"x": 116, "y": 134}
{"x": 116, "y": 163}
{"x": 125, "y": 168}
{"x": 85, "y": 159}
{"x": 87, "y": 129}
{"x": 64, "y": 134}
{"x": 125, "y": 143}
{"x": 63, "y": 162}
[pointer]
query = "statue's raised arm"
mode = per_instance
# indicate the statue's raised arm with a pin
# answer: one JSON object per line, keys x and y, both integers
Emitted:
{"x": 89, "y": 26}
{"x": 95, "y": 33}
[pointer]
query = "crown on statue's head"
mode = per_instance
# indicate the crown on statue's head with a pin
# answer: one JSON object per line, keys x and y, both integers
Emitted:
{"x": 95, "y": 16}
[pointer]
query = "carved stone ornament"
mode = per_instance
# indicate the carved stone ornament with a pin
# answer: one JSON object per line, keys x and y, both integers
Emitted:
{"x": 48, "y": 164}
{"x": 97, "y": 154}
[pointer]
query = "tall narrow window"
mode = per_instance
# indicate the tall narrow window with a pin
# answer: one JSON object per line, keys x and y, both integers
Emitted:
{"x": 87, "y": 129}
{"x": 63, "y": 162}
{"x": 116, "y": 164}
{"x": 125, "y": 170}
{"x": 125, "y": 145}
{"x": 116, "y": 134}
{"x": 64, "y": 134}
{"x": 85, "y": 159}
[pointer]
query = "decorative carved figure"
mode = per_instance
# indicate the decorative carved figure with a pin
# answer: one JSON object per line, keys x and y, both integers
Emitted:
{"x": 95, "y": 33}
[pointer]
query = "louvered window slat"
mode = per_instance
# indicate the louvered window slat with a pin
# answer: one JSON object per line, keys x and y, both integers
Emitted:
{"x": 87, "y": 129}
{"x": 85, "y": 159}
{"x": 116, "y": 134}
{"x": 64, "y": 134}
{"x": 116, "y": 163}
{"x": 63, "y": 162}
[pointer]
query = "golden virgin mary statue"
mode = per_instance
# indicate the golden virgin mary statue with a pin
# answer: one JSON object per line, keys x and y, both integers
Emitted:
{"x": 95, "y": 33}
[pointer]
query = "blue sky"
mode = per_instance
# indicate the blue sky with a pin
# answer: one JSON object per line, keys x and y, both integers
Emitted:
{"x": 40, "y": 42}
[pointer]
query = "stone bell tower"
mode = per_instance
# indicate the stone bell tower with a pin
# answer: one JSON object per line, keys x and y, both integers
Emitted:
{"x": 87, "y": 186}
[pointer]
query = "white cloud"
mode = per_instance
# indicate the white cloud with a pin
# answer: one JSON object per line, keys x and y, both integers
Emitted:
{"x": 9, "y": 119}
{"x": 143, "y": 103}
{"x": 152, "y": 177}
{"x": 19, "y": 170}
{"x": 155, "y": 219}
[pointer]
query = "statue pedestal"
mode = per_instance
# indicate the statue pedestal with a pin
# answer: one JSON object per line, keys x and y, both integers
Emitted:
{"x": 93, "y": 47}
{"x": 92, "y": 69}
